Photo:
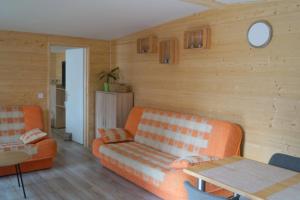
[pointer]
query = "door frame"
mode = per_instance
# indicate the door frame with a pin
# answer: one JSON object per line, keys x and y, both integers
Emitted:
{"x": 85, "y": 89}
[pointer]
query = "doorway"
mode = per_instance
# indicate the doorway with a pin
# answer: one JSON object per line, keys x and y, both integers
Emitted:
{"x": 68, "y": 75}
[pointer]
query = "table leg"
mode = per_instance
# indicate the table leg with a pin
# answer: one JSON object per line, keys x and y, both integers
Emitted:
{"x": 17, "y": 174}
{"x": 201, "y": 185}
{"x": 20, "y": 172}
{"x": 236, "y": 196}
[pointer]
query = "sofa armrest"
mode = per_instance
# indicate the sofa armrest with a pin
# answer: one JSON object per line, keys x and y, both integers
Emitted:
{"x": 96, "y": 145}
{"x": 45, "y": 149}
{"x": 225, "y": 141}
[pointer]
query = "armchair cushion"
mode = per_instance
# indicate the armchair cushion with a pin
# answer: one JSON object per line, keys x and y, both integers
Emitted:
{"x": 115, "y": 135}
{"x": 33, "y": 136}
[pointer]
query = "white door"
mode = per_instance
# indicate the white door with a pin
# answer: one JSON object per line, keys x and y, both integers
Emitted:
{"x": 75, "y": 63}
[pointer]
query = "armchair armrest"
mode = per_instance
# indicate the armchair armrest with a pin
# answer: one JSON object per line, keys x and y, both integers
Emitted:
{"x": 46, "y": 148}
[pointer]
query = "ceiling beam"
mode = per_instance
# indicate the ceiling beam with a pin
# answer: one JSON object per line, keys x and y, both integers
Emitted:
{"x": 206, "y": 3}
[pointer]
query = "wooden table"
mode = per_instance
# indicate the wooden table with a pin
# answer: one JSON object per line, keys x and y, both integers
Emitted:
{"x": 249, "y": 178}
{"x": 10, "y": 158}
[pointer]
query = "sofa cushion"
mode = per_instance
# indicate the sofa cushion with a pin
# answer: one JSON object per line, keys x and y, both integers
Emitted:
{"x": 11, "y": 121}
{"x": 174, "y": 133}
{"x": 110, "y": 135}
{"x": 33, "y": 136}
{"x": 9, "y": 139}
{"x": 18, "y": 146}
{"x": 148, "y": 163}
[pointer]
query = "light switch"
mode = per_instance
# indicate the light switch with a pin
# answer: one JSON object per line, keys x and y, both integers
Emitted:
{"x": 40, "y": 95}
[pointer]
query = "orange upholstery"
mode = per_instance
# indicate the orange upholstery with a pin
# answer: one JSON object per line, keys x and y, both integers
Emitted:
{"x": 161, "y": 137}
{"x": 222, "y": 141}
{"x": 46, "y": 148}
{"x": 96, "y": 145}
{"x": 28, "y": 166}
{"x": 133, "y": 119}
{"x": 171, "y": 188}
{"x": 33, "y": 117}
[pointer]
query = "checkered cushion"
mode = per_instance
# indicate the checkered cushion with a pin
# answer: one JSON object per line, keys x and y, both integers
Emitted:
{"x": 18, "y": 146}
{"x": 115, "y": 135}
{"x": 32, "y": 136}
{"x": 140, "y": 160}
{"x": 174, "y": 133}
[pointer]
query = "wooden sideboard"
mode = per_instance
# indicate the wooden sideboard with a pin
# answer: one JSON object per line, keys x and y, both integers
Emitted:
{"x": 112, "y": 109}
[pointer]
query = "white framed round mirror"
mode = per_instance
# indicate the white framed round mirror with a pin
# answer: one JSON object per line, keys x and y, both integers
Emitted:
{"x": 259, "y": 34}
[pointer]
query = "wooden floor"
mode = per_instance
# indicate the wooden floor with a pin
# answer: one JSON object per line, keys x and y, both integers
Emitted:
{"x": 76, "y": 175}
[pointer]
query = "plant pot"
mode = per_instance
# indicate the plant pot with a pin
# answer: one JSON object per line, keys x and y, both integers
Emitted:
{"x": 106, "y": 87}
{"x": 117, "y": 87}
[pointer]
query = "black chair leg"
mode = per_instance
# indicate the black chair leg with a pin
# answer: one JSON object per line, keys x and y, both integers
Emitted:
{"x": 20, "y": 172}
{"x": 17, "y": 173}
{"x": 235, "y": 197}
{"x": 202, "y": 184}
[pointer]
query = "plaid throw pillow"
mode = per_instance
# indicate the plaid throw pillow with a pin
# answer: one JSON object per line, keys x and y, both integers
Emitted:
{"x": 33, "y": 136}
{"x": 112, "y": 135}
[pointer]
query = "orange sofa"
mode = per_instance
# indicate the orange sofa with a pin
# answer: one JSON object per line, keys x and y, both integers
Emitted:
{"x": 14, "y": 121}
{"x": 160, "y": 137}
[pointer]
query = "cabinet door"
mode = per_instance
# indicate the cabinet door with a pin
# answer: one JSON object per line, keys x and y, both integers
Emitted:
{"x": 100, "y": 112}
{"x": 124, "y": 105}
{"x": 110, "y": 120}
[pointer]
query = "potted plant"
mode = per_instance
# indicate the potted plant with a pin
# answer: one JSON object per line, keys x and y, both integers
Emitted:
{"x": 107, "y": 76}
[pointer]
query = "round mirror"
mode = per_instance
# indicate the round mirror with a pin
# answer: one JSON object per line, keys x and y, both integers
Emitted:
{"x": 259, "y": 34}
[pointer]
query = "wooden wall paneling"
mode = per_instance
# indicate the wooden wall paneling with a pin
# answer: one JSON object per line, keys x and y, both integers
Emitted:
{"x": 256, "y": 88}
{"x": 25, "y": 69}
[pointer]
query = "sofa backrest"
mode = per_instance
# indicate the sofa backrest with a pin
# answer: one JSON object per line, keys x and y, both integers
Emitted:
{"x": 15, "y": 120}
{"x": 11, "y": 123}
{"x": 133, "y": 119}
{"x": 183, "y": 134}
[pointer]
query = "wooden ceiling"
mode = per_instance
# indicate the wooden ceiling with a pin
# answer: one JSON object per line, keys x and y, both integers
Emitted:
{"x": 211, "y": 4}
{"x": 206, "y": 3}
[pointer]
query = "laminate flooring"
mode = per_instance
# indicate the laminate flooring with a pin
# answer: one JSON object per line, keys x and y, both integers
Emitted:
{"x": 76, "y": 175}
